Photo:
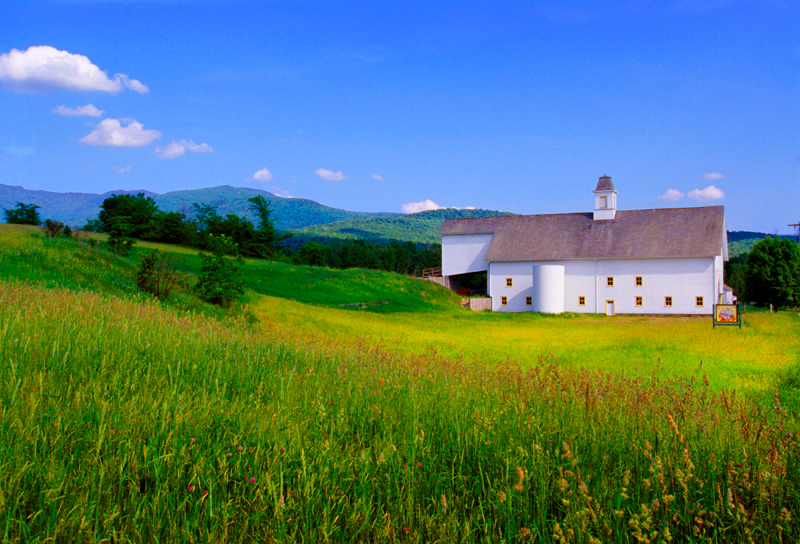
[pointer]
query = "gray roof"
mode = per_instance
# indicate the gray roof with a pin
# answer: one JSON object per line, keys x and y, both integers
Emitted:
{"x": 632, "y": 234}
{"x": 605, "y": 184}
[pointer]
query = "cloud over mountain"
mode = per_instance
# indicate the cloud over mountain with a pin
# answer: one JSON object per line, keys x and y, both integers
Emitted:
{"x": 425, "y": 205}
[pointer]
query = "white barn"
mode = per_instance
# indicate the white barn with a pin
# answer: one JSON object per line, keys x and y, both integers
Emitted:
{"x": 658, "y": 261}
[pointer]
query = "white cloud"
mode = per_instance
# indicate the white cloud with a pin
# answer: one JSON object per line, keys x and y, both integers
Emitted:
{"x": 714, "y": 175}
{"x": 176, "y": 149}
{"x": 262, "y": 176}
{"x": 42, "y": 68}
{"x": 330, "y": 175}
{"x": 88, "y": 110}
{"x": 672, "y": 195}
{"x": 376, "y": 177}
{"x": 120, "y": 170}
{"x": 279, "y": 191}
{"x": 706, "y": 195}
{"x": 111, "y": 132}
{"x": 425, "y": 205}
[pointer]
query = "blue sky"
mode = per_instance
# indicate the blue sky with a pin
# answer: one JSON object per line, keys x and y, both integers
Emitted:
{"x": 400, "y": 106}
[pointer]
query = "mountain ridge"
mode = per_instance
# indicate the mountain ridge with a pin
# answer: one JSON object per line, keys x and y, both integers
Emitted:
{"x": 75, "y": 209}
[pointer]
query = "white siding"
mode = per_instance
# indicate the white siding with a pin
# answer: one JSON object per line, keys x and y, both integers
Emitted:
{"x": 463, "y": 253}
{"x": 681, "y": 279}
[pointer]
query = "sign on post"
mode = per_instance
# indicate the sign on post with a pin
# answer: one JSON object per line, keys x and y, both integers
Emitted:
{"x": 726, "y": 315}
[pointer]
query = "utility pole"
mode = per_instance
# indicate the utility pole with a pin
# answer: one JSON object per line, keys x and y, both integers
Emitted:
{"x": 797, "y": 230}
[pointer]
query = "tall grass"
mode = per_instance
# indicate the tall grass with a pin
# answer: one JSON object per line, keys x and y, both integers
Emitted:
{"x": 127, "y": 421}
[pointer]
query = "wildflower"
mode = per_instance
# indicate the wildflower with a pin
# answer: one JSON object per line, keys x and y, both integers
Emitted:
{"x": 520, "y": 478}
{"x": 444, "y": 505}
{"x": 419, "y": 464}
{"x": 283, "y": 449}
{"x": 230, "y": 454}
{"x": 190, "y": 488}
{"x": 193, "y": 440}
{"x": 502, "y": 497}
{"x": 524, "y": 532}
{"x": 240, "y": 448}
{"x": 252, "y": 480}
{"x": 146, "y": 475}
{"x": 205, "y": 492}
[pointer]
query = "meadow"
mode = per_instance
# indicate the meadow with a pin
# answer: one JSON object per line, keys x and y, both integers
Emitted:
{"x": 125, "y": 419}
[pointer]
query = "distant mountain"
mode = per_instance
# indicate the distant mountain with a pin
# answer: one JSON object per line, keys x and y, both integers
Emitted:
{"x": 421, "y": 227}
{"x": 70, "y": 208}
{"x": 289, "y": 213}
{"x": 76, "y": 208}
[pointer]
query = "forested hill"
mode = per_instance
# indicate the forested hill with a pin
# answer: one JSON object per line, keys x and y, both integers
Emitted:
{"x": 421, "y": 227}
{"x": 740, "y": 242}
{"x": 75, "y": 209}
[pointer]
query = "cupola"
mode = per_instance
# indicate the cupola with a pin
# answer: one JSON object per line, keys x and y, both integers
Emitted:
{"x": 605, "y": 199}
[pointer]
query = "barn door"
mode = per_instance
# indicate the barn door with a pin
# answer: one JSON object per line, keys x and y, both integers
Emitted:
{"x": 609, "y": 307}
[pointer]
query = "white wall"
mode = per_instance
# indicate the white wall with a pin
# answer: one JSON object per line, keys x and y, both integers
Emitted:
{"x": 682, "y": 279}
{"x": 463, "y": 253}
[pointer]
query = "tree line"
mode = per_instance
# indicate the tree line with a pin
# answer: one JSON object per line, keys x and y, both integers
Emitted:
{"x": 127, "y": 218}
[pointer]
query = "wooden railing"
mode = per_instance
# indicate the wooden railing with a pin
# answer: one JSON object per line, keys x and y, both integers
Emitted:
{"x": 436, "y": 271}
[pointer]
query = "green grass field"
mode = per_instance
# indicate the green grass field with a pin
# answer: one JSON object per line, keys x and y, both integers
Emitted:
{"x": 129, "y": 420}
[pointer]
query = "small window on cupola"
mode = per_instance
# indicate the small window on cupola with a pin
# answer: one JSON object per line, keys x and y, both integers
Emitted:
{"x": 604, "y": 202}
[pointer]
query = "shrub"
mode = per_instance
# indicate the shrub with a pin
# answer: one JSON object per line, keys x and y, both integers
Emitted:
{"x": 219, "y": 281}
{"x": 53, "y": 227}
{"x": 156, "y": 274}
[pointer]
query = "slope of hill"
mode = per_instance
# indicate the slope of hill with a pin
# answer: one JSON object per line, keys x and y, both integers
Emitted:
{"x": 76, "y": 208}
{"x": 421, "y": 227}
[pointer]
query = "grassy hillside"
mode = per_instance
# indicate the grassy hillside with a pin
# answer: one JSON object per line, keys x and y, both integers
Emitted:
{"x": 127, "y": 420}
{"x": 422, "y": 227}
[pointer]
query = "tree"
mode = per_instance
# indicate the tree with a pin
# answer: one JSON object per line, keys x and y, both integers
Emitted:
{"x": 267, "y": 236}
{"x": 23, "y": 214}
{"x": 139, "y": 210}
{"x": 772, "y": 266}
{"x": 313, "y": 253}
{"x": 121, "y": 234}
{"x": 219, "y": 281}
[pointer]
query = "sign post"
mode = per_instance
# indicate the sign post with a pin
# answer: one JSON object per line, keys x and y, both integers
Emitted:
{"x": 727, "y": 315}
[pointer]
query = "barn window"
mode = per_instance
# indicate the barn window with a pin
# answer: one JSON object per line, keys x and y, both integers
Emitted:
{"x": 667, "y": 301}
{"x": 528, "y": 301}
{"x": 639, "y": 301}
{"x": 699, "y": 301}
{"x": 610, "y": 281}
{"x": 638, "y": 281}
{"x": 604, "y": 202}
{"x": 503, "y": 301}
{"x": 581, "y": 301}
{"x": 509, "y": 282}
